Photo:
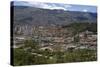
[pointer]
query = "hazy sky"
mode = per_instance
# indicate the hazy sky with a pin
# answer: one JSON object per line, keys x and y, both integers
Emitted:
{"x": 52, "y": 6}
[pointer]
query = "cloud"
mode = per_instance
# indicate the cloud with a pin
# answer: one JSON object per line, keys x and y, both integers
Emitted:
{"x": 47, "y": 5}
{"x": 85, "y": 10}
{"x": 50, "y": 5}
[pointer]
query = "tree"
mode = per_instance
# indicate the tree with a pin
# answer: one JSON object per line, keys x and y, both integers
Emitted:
{"x": 22, "y": 58}
{"x": 31, "y": 43}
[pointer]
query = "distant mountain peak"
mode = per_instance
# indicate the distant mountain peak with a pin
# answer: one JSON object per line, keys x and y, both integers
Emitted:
{"x": 57, "y": 6}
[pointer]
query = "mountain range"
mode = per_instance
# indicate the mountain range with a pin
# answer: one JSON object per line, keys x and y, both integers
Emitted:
{"x": 39, "y": 16}
{"x": 52, "y": 6}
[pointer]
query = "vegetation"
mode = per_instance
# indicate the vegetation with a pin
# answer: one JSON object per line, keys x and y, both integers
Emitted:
{"x": 24, "y": 57}
{"x": 31, "y": 43}
{"x": 79, "y": 27}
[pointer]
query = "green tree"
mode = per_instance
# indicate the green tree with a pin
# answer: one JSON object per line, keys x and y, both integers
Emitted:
{"x": 31, "y": 43}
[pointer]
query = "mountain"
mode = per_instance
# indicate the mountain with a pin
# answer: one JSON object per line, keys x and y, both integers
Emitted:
{"x": 26, "y": 17}
{"x": 52, "y": 6}
{"x": 38, "y": 16}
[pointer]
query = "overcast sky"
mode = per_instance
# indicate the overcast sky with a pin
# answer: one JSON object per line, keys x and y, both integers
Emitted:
{"x": 52, "y": 6}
